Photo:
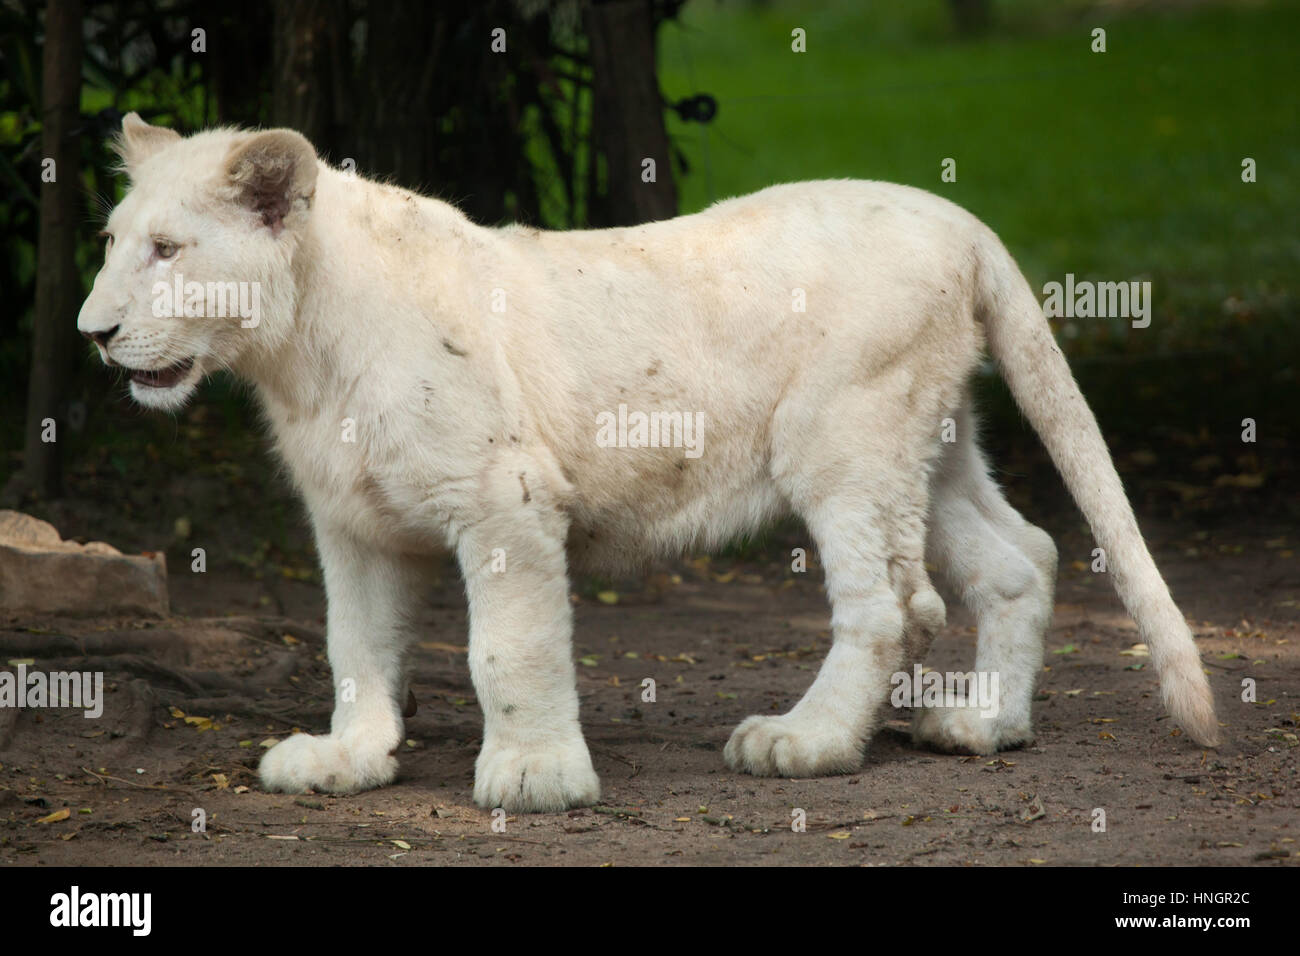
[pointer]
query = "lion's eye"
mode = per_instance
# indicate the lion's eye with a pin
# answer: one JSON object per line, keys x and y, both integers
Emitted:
{"x": 164, "y": 248}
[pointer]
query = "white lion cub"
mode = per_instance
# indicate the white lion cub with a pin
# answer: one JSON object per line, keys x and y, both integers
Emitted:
{"x": 434, "y": 385}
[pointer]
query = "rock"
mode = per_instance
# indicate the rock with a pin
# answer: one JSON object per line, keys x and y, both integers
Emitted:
{"x": 42, "y": 574}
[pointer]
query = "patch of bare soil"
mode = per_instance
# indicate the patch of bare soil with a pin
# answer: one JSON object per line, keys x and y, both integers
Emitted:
{"x": 192, "y": 700}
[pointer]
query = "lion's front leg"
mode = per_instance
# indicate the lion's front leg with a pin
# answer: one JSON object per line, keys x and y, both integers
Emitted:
{"x": 520, "y": 650}
{"x": 370, "y": 595}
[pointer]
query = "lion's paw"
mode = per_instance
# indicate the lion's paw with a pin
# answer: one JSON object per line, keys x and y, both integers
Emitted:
{"x": 963, "y": 730}
{"x": 303, "y": 762}
{"x": 787, "y": 746}
{"x": 535, "y": 779}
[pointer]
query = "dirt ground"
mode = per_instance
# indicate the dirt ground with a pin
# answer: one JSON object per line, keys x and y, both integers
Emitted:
{"x": 192, "y": 700}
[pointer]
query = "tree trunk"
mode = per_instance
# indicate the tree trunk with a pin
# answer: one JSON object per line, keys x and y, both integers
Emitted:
{"x": 311, "y": 69}
{"x": 58, "y": 283}
{"x": 628, "y": 116}
{"x": 394, "y": 134}
{"x": 971, "y": 16}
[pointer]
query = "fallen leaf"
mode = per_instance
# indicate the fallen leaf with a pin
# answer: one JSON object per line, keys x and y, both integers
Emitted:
{"x": 1034, "y": 811}
{"x": 56, "y": 816}
{"x": 1239, "y": 481}
{"x": 440, "y": 646}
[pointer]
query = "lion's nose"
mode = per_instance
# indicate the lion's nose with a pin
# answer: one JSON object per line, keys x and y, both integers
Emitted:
{"x": 102, "y": 337}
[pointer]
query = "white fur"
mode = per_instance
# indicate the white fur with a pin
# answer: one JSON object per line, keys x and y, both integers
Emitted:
{"x": 475, "y": 433}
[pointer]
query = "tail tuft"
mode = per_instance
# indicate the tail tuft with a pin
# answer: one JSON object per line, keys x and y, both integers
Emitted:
{"x": 1186, "y": 696}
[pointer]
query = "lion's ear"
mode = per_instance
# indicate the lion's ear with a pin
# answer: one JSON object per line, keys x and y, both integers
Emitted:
{"x": 138, "y": 140}
{"x": 270, "y": 172}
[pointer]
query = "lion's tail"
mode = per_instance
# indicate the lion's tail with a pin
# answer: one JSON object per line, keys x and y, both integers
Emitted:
{"x": 1021, "y": 340}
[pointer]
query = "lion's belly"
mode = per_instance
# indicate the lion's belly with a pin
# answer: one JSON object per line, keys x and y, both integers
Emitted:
{"x": 640, "y": 493}
{"x": 614, "y": 540}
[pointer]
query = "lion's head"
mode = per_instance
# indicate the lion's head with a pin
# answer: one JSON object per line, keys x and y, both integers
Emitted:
{"x": 198, "y": 256}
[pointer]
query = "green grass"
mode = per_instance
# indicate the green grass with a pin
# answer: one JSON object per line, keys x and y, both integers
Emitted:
{"x": 1116, "y": 165}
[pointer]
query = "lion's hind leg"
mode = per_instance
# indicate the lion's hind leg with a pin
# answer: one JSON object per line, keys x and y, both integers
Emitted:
{"x": 862, "y": 490}
{"x": 1004, "y": 570}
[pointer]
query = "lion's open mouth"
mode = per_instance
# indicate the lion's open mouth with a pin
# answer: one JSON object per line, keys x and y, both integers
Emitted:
{"x": 162, "y": 377}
